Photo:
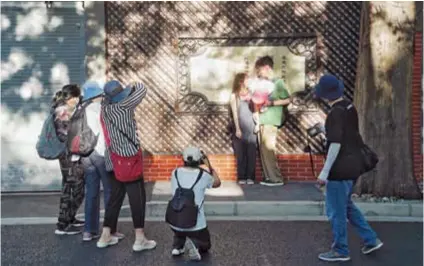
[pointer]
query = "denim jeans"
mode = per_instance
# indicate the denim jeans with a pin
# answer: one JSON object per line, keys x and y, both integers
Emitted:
{"x": 95, "y": 171}
{"x": 339, "y": 208}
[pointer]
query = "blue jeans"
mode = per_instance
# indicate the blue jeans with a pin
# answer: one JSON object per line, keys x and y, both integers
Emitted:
{"x": 95, "y": 171}
{"x": 339, "y": 208}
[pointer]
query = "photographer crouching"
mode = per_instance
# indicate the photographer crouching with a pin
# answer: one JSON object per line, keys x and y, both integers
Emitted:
{"x": 185, "y": 213}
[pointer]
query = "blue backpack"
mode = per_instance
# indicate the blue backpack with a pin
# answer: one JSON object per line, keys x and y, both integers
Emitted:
{"x": 49, "y": 146}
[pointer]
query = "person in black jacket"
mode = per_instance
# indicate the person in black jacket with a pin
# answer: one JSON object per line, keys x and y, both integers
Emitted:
{"x": 342, "y": 167}
{"x": 65, "y": 104}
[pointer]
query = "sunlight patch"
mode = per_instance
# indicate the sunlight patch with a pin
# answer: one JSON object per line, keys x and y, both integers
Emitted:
{"x": 59, "y": 76}
{"x": 17, "y": 60}
{"x": 5, "y": 22}
{"x": 26, "y": 26}
{"x": 32, "y": 88}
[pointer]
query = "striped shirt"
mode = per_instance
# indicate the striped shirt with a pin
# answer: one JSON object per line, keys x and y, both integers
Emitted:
{"x": 118, "y": 118}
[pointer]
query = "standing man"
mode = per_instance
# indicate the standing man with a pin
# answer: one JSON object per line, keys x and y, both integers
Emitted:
{"x": 270, "y": 119}
{"x": 342, "y": 167}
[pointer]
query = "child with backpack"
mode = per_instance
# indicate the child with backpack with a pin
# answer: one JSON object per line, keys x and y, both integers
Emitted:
{"x": 185, "y": 211}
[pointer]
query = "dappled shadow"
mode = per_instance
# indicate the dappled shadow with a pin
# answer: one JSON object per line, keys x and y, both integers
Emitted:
{"x": 143, "y": 45}
{"x": 42, "y": 50}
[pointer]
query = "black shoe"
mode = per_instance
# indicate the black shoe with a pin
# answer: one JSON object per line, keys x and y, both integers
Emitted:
{"x": 272, "y": 183}
{"x": 69, "y": 230}
{"x": 77, "y": 223}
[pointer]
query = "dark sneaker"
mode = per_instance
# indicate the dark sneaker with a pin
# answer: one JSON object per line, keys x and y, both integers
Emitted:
{"x": 77, "y": 223}
{"x": 193, "y": 252}
{"x": 69, "y": 230}
{"x": 368, "y": 249}
{"x": 333, "y": 256}
{"x": 271, "y": 183}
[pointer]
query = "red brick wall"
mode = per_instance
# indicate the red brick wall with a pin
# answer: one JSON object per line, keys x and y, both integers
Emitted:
{"x": 293, "y": 167}
{"x": 417, "y": 115}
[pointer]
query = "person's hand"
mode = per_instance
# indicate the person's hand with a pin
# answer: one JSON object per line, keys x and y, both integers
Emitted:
{"x": 238, "y": 133}
{"x": 322, "y": 178}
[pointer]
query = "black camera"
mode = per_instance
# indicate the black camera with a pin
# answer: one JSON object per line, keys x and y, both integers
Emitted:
{"x": 315, "y": 130}
{"x": 205, "y": 161}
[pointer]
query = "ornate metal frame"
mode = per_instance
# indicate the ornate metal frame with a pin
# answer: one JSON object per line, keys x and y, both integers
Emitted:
{"x": 191, "y": 102}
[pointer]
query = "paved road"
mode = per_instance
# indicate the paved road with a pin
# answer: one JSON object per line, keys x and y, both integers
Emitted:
{"x": 234, "y": 243}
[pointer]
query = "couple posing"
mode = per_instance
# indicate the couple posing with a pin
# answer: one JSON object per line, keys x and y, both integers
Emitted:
{"x": 257, "y": 113}
{"x": 108, "y": 114}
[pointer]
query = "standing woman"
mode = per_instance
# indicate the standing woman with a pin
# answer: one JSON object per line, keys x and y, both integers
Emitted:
{"x": 244, "y": 139}
{"x": 94, "y": 164}
{"x": 65, "y": 105}
{"x": 123, "y": 159}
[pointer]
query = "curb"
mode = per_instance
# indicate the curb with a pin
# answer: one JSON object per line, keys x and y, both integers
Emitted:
{"x": 264, "y": 209}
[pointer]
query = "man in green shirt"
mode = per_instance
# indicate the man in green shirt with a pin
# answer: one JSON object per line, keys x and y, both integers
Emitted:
{"x": 270, "y": 120}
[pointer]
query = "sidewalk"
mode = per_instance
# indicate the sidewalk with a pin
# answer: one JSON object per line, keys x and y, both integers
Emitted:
{"x": 301, "y": 200}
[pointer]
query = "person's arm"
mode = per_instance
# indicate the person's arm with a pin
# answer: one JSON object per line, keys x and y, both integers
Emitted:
{"x": 333, "y": 151}
{"x": 135, "y": 98}
{"x": 216, "y": 180}
{"x": 334, "y": 135}
{"x": 282, "y": 97}
{"x": 234, "y": 111}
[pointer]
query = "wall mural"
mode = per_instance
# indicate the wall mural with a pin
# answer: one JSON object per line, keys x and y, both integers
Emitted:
{"x": 207, "y": 66}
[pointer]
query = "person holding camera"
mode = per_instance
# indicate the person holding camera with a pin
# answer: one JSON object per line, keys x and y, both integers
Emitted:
{"x": 185, "y": 212}
{"x": 343, "y": 165}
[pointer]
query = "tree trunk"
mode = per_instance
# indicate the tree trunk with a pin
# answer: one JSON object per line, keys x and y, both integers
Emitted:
{"x": 383, "y": 96}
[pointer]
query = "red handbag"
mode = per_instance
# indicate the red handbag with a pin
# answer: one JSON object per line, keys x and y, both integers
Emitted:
{"x": 126, "y": 169}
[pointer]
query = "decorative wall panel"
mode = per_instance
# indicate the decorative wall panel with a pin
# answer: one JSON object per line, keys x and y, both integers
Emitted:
{"x": 144, "y": 42}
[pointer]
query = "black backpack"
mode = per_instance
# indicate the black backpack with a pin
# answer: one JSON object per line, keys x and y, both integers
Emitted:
{"x": 81, "y": 139}
{"x": 182, "y": 210}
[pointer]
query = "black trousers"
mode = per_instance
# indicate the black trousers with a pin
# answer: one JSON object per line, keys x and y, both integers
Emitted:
{"x": 201, "y": 239}
{"x": 72, "y": 190}
{"x": 246, "y": 158}
{"x": 137, "y": 198}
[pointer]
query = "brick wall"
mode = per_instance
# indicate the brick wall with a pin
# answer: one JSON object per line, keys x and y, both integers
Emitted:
{"x": 417, "y": 115}
{"x": 293, "y": 167}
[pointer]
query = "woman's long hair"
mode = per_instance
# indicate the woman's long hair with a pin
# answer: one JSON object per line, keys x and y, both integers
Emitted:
{"x": 67, "y": 92}
{"x": 237, "y": 84}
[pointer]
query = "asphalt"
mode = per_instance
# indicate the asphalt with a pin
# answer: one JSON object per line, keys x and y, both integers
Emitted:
{"x": 233, "y": 243}
{"x": 46, "y": 205}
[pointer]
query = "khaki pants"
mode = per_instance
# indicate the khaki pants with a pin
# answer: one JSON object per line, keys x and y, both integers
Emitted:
{"x": 267, "y": 146}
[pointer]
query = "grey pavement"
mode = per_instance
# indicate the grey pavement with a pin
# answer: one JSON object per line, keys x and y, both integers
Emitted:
{"x": 46, "y": 205}
{"x": 290, "y": 201}
{"x": 233, "y": 243}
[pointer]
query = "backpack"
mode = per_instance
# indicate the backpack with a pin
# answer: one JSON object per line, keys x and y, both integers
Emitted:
{"x": 81, "y": 138}
{"x": 49, "y": 146}
{"x": 182, "y": 210}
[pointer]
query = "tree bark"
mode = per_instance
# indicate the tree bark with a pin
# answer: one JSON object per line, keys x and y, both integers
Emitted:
{"x": 383, "y": 97}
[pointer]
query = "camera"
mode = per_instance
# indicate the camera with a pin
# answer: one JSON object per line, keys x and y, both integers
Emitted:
{"x": 315, "y": 130}
{"x": 205, "y": 160}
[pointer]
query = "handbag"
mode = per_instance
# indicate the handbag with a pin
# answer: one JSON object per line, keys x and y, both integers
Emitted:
{"x": 126, "y": 169}
{"x": 369, "y": 159}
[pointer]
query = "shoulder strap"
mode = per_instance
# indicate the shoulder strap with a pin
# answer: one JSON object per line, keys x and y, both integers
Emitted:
{"x": 122, "y": 132}
{"x": 198, "y": 178}
{"x": 176, "y": 177}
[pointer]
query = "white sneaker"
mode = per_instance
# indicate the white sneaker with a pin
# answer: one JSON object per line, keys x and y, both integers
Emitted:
{"x": 143, "y": 244}
{"x": 177, "y": 252}
{"x": 250, "y": 182}
{"x": 193, "y": 252}
{"x": 112, "y": 241}
{"x": 242, "y": 182}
